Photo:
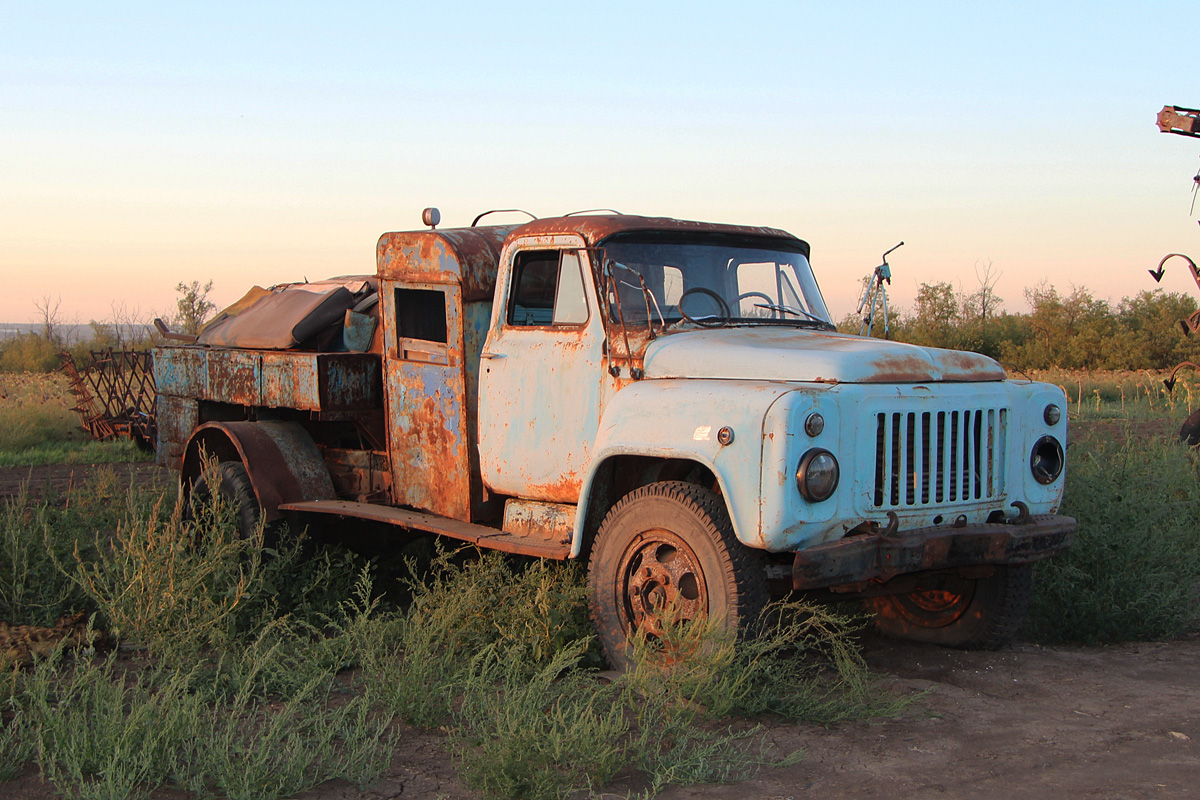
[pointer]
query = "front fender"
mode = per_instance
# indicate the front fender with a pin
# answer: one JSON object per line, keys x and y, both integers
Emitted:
{"x": 680, "y": 419}
{"x": 281, "y": 459}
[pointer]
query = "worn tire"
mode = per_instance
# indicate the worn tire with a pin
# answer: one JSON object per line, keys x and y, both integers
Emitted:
{"x": 236, "y": 487}
{"x": 969, "y": 613}
{"x": 670, "y": 543}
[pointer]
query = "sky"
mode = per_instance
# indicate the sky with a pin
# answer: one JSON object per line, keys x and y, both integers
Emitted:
{"x": 142, "y": 145}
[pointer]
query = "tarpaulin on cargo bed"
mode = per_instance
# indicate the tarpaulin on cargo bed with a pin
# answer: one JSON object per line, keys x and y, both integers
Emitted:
{"x": 286, "y": 316}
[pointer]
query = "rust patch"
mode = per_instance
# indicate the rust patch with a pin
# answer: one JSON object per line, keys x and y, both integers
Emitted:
{"x": 564, "y": 490}
{"x": 595, "y": 229}
{"x": 465, "y": 256}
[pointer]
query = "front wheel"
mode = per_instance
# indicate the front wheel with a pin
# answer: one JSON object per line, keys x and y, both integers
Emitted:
{"x": 669, "y": 548}
{"x": 970, "y": 613}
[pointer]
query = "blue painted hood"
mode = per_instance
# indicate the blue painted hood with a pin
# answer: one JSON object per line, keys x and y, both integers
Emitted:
{"x": 789, "y": 354}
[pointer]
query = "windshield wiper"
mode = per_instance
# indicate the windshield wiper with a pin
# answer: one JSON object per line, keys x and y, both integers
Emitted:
{"x": 795, "y": 311}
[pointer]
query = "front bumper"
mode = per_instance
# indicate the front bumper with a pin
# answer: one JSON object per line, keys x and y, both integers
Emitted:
{"x": 881, "y": 557}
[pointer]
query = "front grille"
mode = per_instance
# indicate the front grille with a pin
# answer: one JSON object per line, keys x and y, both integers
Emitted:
{"x": 937, "y": 458}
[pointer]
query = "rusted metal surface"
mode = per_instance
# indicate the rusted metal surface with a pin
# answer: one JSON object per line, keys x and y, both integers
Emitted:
{"x": 281, "y": 459}
{"x": 115, "y": 394}
{"x": 360, "y": 475}
{"x": 550, "y": 521}
{"x": 178, "y": 417}
{"x": 283, "y": 379}
{"x": 467, "y": 257}
{"x": 91, "y": 415}
{"x": 235, "y": 376}
{"x": 876, "y": 558}
{"x": 425, "y": 391}
{"x": 661, "y": 573}
{"x": 596, "y": 228}
{"x": 1176, "y": 119}
{"x": 457, "y": 529}
{"x": 477, "y": 316}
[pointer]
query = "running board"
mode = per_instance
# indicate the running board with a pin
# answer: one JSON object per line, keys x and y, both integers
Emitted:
{"x": 480, "y": 535}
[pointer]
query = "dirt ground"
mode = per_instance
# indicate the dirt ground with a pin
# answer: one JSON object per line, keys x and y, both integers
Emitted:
{"x": 58, "y": 479}
{"x": 1028, "y": 722}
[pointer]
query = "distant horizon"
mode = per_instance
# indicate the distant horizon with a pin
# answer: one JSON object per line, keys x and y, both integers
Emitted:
{"x": 151, "y": 144}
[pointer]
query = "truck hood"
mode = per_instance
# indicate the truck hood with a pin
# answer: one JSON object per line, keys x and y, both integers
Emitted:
{"x": 790, "y": 354}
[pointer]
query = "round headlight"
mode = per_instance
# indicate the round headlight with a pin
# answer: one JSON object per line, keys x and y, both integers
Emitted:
{"x": 817, "y": 476}
{"x": 1052, "y": 414}
{"x": 1046, "y": 460}
{"x": 814, "y": 424}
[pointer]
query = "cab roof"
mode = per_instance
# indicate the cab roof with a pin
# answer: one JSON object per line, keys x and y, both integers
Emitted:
{"x": 470, "y": 256}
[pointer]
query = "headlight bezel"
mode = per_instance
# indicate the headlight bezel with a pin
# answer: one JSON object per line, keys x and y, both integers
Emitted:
{"x": 1047, "y": 460}
{"x": 807, "y": 475}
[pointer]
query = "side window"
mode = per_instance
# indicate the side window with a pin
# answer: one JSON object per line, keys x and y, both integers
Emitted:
{"x": 570, "y": 304}
{"x": 421, "y": 325}
{"x": 547, "y": 289}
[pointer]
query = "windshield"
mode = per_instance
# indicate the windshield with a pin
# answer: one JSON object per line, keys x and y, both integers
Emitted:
{"x": 710, "y": 283}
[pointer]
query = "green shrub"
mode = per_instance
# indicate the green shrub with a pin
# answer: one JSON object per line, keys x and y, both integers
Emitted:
{"x": 28, "y": 352}
{"x": 39, "y": 538}
{"x": 541, "y": 735}
{"x": 1133, "y": 572}
{"x": 102, "y": 735}
{"x": 803, "y": 664}
{"x": 527, "y": 612}
{"x": 252, "y": 751}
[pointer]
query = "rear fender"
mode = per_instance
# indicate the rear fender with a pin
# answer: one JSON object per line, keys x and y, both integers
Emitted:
{"x": 282, "y": 460}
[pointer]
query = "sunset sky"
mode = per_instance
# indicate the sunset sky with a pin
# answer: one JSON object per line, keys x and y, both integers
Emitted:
{"x": 247, "y": 143}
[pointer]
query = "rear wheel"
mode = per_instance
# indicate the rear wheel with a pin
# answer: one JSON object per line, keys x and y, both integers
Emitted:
{"x": 235, "y": 487}
{"x": 669, "y": 549}
{"x": 971, "y": 613}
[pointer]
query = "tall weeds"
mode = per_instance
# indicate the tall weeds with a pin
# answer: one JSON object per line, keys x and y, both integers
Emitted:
{"x": 1133, "y": 572}
{"x": 252, "y": 673}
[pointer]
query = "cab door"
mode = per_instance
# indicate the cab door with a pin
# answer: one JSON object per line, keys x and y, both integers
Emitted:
{"x": 541, "y": 373}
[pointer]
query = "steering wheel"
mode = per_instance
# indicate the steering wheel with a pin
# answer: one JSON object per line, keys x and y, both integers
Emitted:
{"x": 705, "y": 322}
{"x": 770, "y": 303}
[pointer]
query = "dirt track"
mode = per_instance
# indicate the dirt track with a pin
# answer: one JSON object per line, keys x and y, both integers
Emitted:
{"x": 58, "y": 479}
{"x": 1028, "y": 722}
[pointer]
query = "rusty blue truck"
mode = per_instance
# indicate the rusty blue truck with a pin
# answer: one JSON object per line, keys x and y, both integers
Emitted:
{"x": 668, "y": 400}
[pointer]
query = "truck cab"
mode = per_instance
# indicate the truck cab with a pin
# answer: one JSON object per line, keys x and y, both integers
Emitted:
{"x": 667, "y": 399}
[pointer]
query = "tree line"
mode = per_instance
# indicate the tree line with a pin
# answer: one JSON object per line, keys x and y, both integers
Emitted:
{"x": 1068, "y": 331}
{"x": 38, "y": 350}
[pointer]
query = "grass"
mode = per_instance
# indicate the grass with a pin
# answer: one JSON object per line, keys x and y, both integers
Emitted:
{"x": 1135, "y": 396}
{"x": 38, "y": 426}
{"x": 1133, "y": 572}
{"x": 250, "y": 673}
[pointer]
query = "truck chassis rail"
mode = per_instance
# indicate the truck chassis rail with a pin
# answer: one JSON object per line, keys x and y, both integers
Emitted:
{"x": 480, "y": 535}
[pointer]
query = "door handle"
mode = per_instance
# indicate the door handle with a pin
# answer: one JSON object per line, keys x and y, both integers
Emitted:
{"x": 486, "y": 354}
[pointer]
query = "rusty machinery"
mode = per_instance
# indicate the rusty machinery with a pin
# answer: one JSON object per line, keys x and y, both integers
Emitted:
{"x": 1184, "y": 122}
{"x": 115, "y": 395}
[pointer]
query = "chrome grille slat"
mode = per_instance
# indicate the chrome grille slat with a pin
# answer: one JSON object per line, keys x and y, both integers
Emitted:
{"x": 927, "y": 459}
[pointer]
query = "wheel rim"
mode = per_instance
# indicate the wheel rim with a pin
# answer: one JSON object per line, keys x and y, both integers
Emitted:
{"x": 936, "y": 608}
{"x": 660, "y": 582}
